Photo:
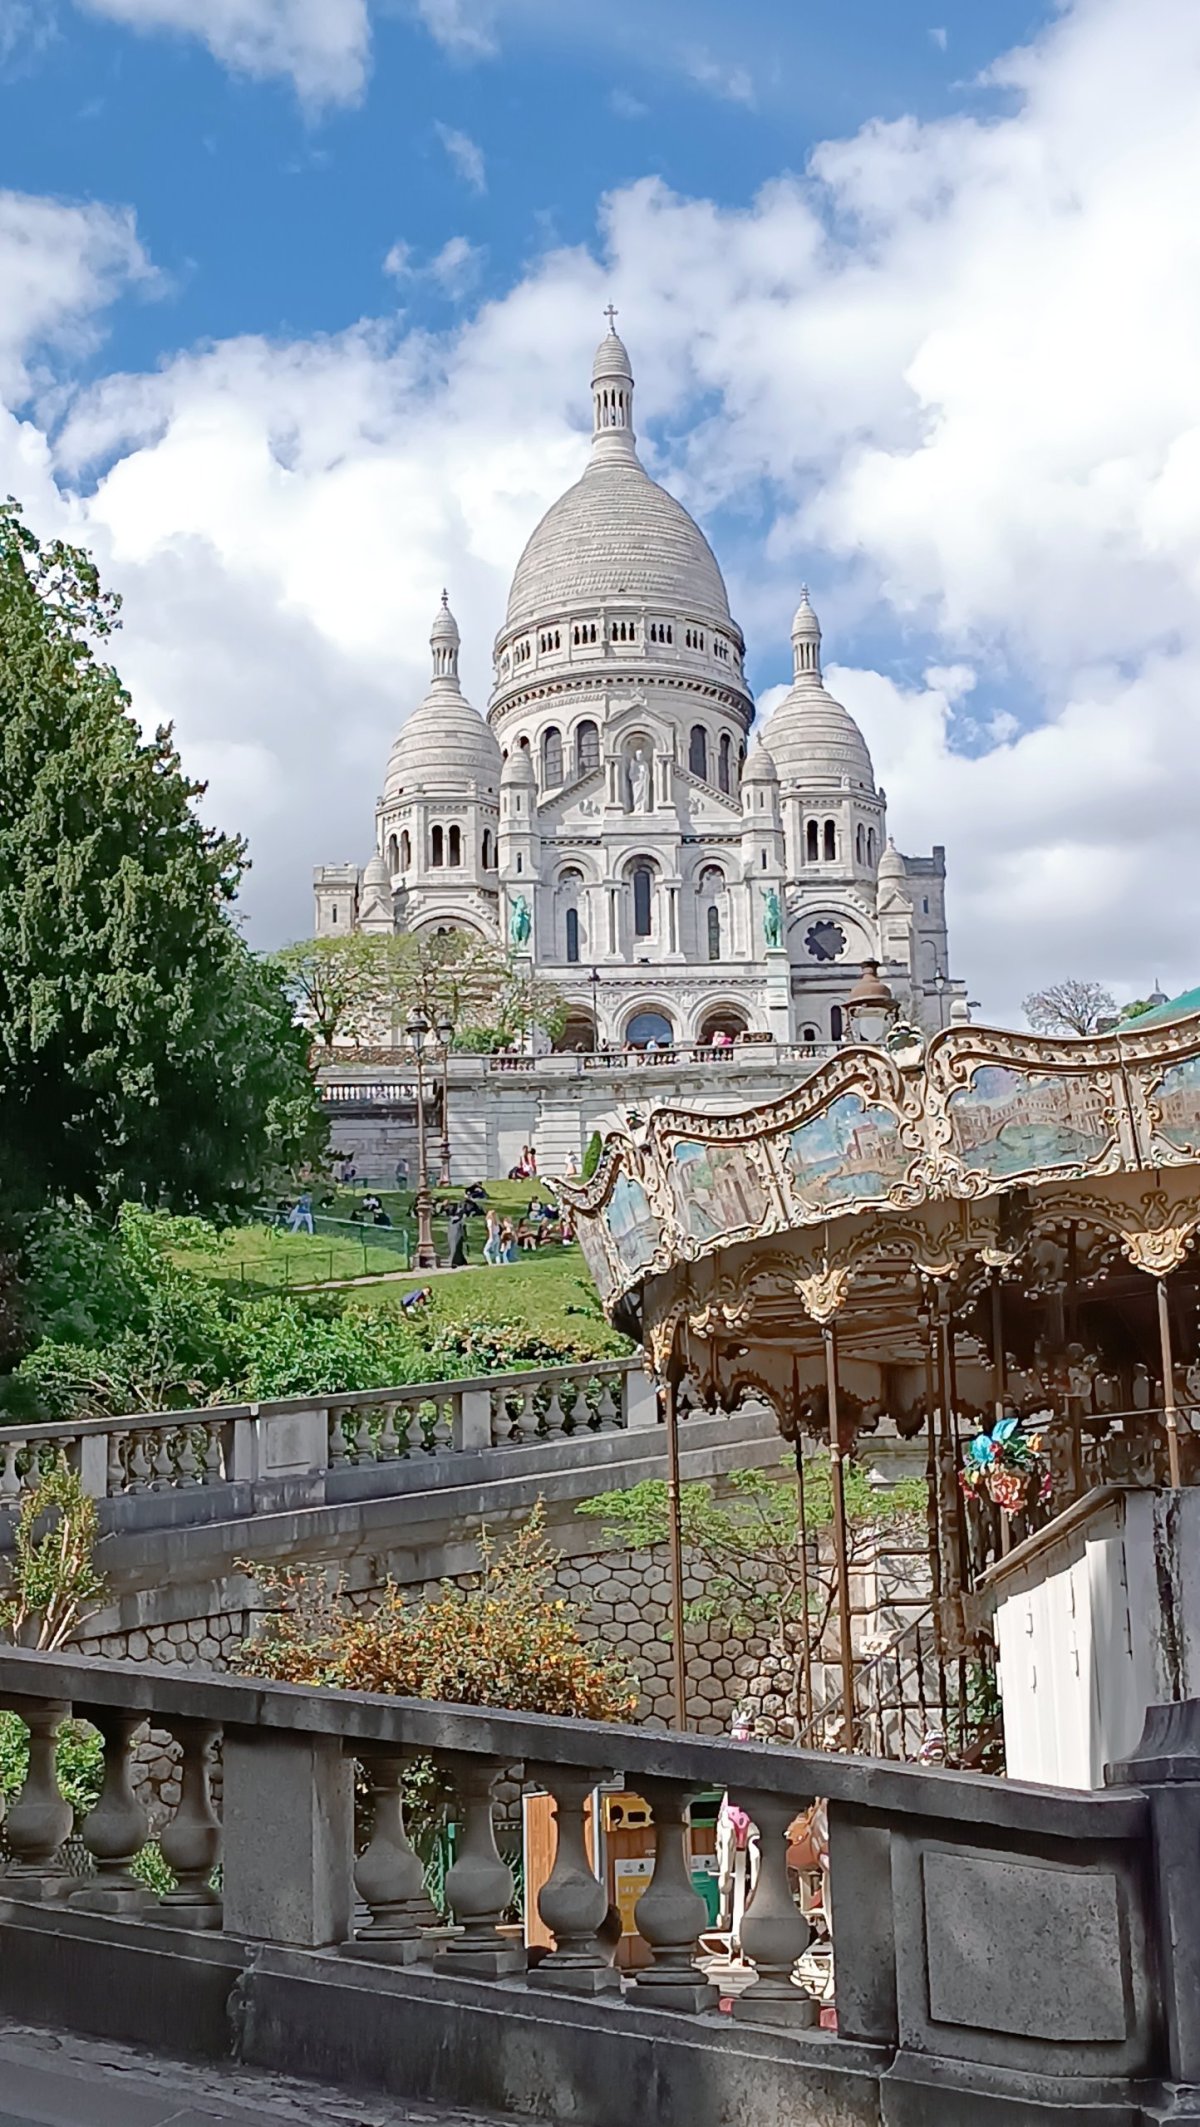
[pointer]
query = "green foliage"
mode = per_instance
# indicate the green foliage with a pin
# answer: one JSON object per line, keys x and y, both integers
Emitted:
{"x": 79, "y": 1757}
{"x": 504, "y": 1640}
{"x": 744, "y": 1536}
{"x": 591, "y": 1157}
{"x": 51, "y": 1577}
{"x": 362, "y": 989}
{"x": 144, "y": 1052}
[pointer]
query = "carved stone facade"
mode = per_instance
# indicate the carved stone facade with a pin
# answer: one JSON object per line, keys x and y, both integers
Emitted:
{"x": 612, "y": 815}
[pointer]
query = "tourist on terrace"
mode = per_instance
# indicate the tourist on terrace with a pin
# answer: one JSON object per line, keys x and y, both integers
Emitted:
{"x": 302, "y": 1216}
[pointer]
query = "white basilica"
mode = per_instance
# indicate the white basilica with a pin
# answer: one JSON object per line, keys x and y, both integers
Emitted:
{"x": 611, "y": 818}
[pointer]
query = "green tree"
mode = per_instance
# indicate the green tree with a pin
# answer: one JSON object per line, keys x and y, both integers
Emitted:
{"x": 743, "y": 1539}
{"x": 1074, "y": 1006}
{"x": 339, "y": 986}
{"x": 362, "y": 988}
{"x": 144, "y": 1052}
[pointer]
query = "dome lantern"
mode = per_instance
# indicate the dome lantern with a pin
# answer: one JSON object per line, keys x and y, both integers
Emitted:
{"x": 445, "y": 746}
{"x": 806, "y": 640}
{"x": 612, "y": 399}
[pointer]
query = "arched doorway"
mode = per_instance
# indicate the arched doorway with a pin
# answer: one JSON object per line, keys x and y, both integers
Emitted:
{"x": 578, "y": 1032}
{"x": 650, "y": 1026}
{"x": 723, "y": 1019}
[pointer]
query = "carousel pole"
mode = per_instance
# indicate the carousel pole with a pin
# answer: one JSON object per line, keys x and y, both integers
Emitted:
{"x": 1170, "y": 1410}
{"x": 998, "y": 1382}
{"x": 841, "y": 1560}
{"x": 933, "y": 1521}
{"x": 802, "y": 1519}
{"x": 679, "y": 1646}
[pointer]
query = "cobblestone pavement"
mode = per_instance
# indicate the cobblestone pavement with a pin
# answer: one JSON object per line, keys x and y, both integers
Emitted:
{"x": 53, "y": 2080}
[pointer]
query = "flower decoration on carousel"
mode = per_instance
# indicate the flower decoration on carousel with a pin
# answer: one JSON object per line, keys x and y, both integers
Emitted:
{"x": 1008, "y": 1465}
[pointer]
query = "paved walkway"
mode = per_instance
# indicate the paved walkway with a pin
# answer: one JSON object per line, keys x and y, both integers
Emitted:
{"x": 52, "y": 2081}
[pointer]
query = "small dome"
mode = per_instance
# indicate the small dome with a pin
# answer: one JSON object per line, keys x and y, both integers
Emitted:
{"x": 375, "y": 871}
{"x": 445, "y": 747}
{"x": 814, "y": 740}
{"x": 870, "y": 989}
{"x": 518, "y": 768}
{"x": 612, "y": 358}
{"x": 891, "y": 863}
{"x": 760, "y": 768}
{"x": 804, "y": 620}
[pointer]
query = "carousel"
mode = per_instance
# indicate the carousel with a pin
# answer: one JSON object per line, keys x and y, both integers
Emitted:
{"x": 981, "y": 1243}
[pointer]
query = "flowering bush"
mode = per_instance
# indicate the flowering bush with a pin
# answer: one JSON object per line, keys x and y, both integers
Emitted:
{"x": 506, "y": 1640}
{"x": 1007, "y": 1464}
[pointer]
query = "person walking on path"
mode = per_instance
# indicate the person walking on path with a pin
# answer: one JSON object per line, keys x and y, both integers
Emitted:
{"x": 508, "y": 1243}
{"x": 491, "y": 1247}
{"x": 456, "y": 1230}
{"x": 302, "y": 1216}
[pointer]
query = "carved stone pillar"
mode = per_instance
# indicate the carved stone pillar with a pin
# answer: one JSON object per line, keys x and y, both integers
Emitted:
{"x": 573, "y": 1902}
{"x": 39, "y": 1819}
{"x": 116, "y": 1830}
{"x": 479, "y": 1885}
{"x": 670, "y": 1914}
{"x": 191, "y": 1842}
{"x": 388, "y": 1875}
{"x": 774, "y": 1930}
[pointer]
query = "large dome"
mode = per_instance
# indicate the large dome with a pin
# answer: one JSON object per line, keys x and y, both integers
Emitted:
{"x": 616, "y": 533}
{"x": 445, "y": 747}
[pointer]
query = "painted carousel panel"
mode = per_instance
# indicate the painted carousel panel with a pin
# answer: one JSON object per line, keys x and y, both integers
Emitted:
{"x": 595, "y": 1255}
{"x": 631, "y": 1224}
{"x": 1175, "y": 1103}
{"x": 718, "y": 1188}
{"x": 849, "y": 1154}
{"x": 1008, "y": 1122}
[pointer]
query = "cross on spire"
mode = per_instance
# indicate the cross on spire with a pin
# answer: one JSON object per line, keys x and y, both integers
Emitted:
{"x": 612, "y": 313}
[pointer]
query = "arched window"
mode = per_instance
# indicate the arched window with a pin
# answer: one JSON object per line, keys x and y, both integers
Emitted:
{"x": 714, "y": 932}
{"x": 455, "y": 856}
{"x": 724, "y": 763}
{"x": 830, "y": 841}
{"x": 860, "y": 844}
{"x": 871, "y": 847}
{"x": 552, "y": 758}
{"x": 572, "y": 934}
{"x": 435, "y": 846}
{"x": 643, "y": 893}
{"x": 698, "y": 752}
{"x": 393, "y": 854}
{"x": 405, "y": 851}
{"x": 812, "y": 844}
{"x": 485, "y": 853}
{"x": 587, "y": 746}
{"x": 835, "y": 1022}
{"x": 808, "y": 1033}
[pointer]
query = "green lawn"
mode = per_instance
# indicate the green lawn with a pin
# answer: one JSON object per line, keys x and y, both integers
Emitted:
{"x": 551, "y": 1291}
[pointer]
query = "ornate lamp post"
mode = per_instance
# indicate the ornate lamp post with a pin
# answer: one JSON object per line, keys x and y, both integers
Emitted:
{"x": 870, "y": 1007}
{"x": 417, "y": 1030}
{"x": 445, "y": 1035}
{"x": 939, "y": 984}
{"x": 594, "y": 979}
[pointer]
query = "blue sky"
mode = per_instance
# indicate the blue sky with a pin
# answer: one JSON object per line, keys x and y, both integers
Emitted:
{"x": 296, "y": 303}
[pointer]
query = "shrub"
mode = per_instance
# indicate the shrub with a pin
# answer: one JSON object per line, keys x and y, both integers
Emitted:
{"x": 52, "y": 1576}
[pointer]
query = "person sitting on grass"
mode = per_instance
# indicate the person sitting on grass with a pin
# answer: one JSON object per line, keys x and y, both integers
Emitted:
{"x": 421, "y": 1297}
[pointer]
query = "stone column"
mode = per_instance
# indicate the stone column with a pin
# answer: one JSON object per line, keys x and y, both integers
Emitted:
{"x": 473, "y": 1419}
{"x": 774, "y": 1930}
{"x": 289, "y": 1847}
{"x": 573, "y": 1902}
{"x": 479, "y": 1885}
{"x": 670, "y": 1914}
{"x": 388, "y": 1875}
{"x": 191, "y": 1842}
{"x": 39, "y": 1818}
{"x": 116, "y": 1830}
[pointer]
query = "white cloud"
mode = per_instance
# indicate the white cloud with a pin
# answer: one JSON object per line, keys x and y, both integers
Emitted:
{"x": 959, "y": 363}
{"x": 454, "y": 269}
{"x": 399, "y": 261}
{"x": 26, "y": 28}
{"x": 59, "y": 265}
{"x": 466, "y": 28}
{"x": 940, "y": 37}
{"x": 734, "y": 83}
{"x": 321, "y": 46}
{"x": 465, "y": 154}
{"x": 623, "y": 104}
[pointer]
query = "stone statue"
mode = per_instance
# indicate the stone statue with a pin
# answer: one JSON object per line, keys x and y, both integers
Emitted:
{"x": 519, "y": 922}
{"x": 639, "y": 782}
{"x": 772, "y": 919}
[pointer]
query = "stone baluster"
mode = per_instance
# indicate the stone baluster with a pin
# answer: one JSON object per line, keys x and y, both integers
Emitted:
{"x": 573, "y": 1901}
{"x": 10, "y": 1483}
{"x": 670, "y": 1914}
{"x": 479, "y": 1885}
{"x": 364, "y": 1445}
{"x": 39, "y": 1818}
{"x": 554, "y": 1417}
{"x": 191, "y": 1842}
{"x": 387, "y": 1447}
{"x": 162, "y": 1467}
{"x": 187, "y": 1467}
{"x": 211, "y": 1470}
{"x": 139, "y": 1465}
{"x": 117, "y": 1478}
{"x": 607, "y": 1415}
{"x": 527, "y": 1415}
{"x": 337, "y": 1442}
{"x": 402, "y": 1418}
{"x": 388, "y": 1875}
{"x": 774, "y": 1931}
{"x": 116, "y": 1830}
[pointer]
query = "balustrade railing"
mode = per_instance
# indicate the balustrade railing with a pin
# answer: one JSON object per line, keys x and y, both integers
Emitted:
{"x": 993, "y": 1854}
{"x": 295, "y": 1440}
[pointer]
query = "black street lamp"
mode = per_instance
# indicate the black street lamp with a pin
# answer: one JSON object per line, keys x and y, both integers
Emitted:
{"x": 445, "y": 1035}
{"x": 417, "y": 1029}
{"x": 939, "y": 984}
